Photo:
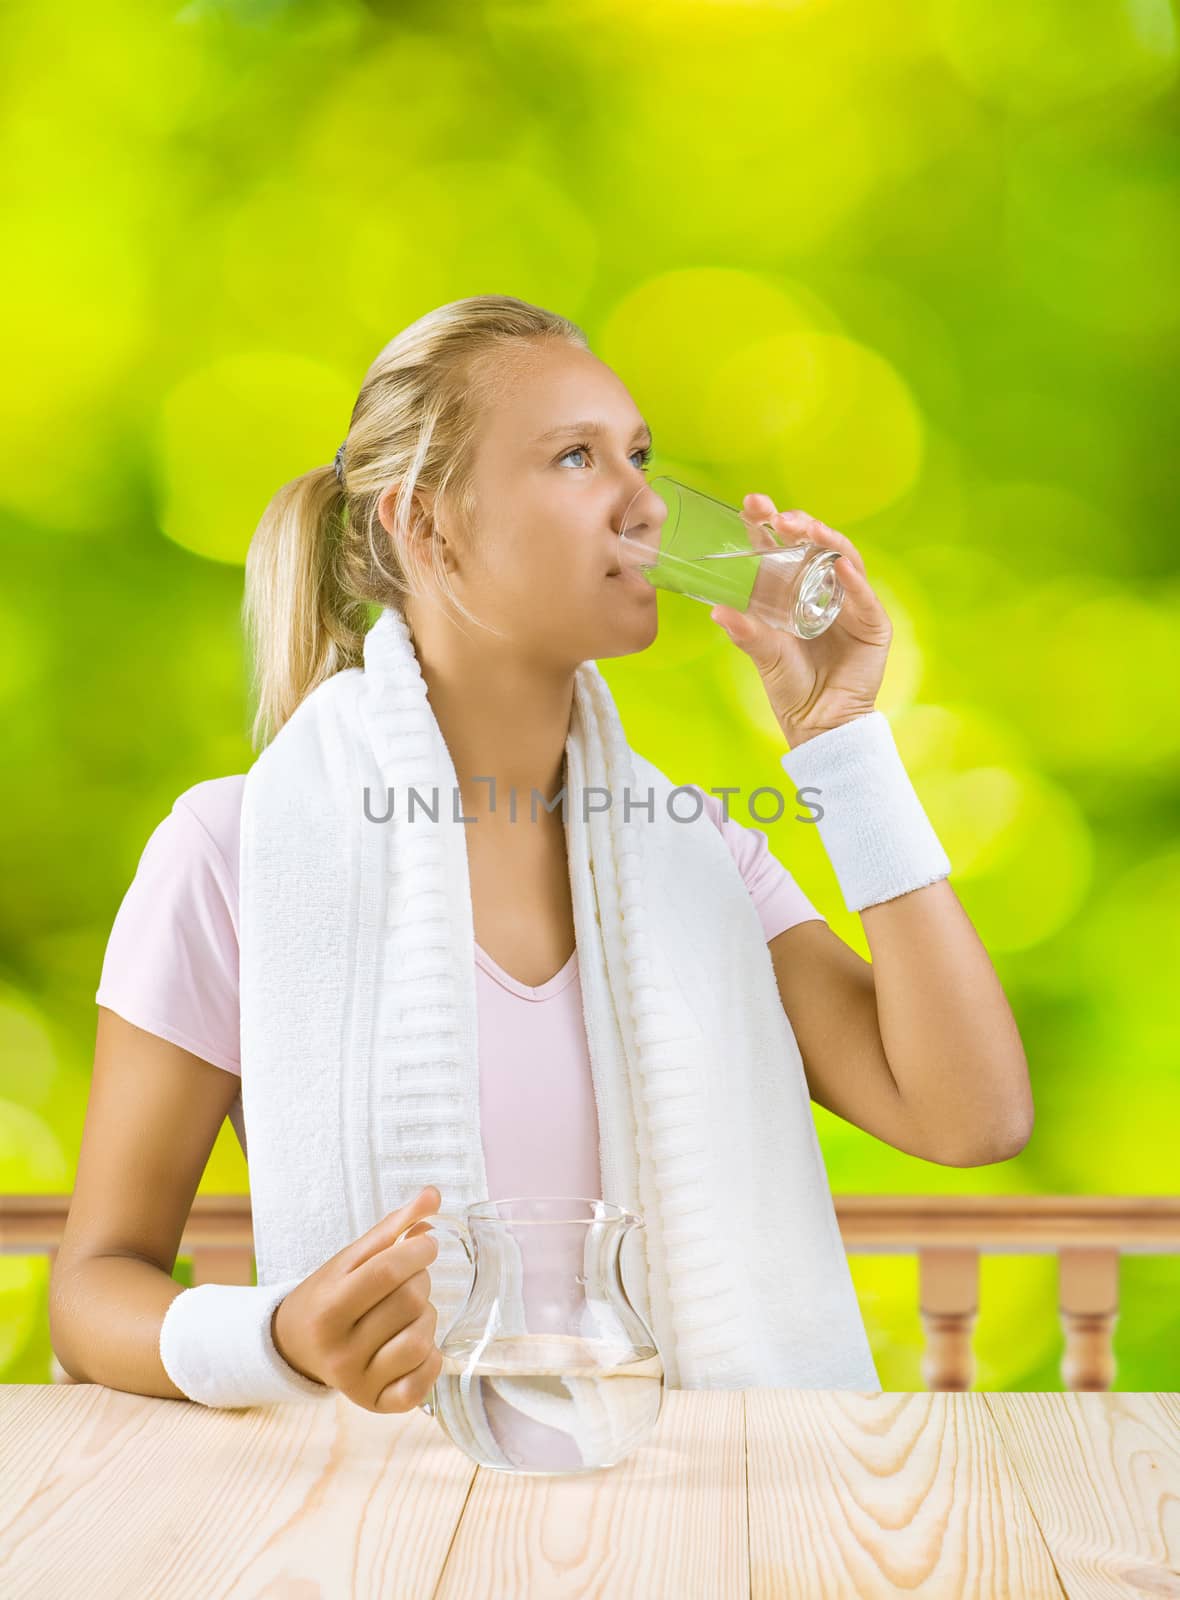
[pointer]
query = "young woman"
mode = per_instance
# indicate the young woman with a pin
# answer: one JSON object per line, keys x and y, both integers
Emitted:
{"x": 475, "y": 506}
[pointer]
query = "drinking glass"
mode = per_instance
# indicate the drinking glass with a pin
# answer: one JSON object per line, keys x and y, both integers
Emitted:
{"x": 683, "y": 540}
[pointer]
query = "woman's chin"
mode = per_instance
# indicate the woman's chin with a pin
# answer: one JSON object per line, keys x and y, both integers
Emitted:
{"x": 630, "y": 630}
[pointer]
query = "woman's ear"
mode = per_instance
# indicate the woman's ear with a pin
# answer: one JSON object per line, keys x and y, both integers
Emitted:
{"x": 415, "y": 555}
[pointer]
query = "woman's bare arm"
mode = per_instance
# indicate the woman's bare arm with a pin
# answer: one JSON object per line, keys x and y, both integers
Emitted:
{"x": 918, "y": 1046}
{"x": 153, "y": 1116}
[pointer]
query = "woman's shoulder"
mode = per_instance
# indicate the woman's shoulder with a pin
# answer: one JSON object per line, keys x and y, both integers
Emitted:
{"x": 210, "y": 813}
{"x": 777, "y": 897}
{"x": 171, "y": 961}
{"x": 191, "y": 855}
{"x": 217, "y": 804}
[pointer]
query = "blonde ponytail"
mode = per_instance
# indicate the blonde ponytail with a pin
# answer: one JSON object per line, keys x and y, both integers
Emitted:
{"x": 321, "y": 565}
{"x": 292, "y": 573}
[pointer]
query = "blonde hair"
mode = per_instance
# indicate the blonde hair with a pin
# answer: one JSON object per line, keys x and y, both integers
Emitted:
{"x": 320, "y": 564}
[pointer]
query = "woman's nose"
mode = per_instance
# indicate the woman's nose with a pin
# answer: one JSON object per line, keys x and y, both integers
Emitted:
{"x": 631, "y": 511}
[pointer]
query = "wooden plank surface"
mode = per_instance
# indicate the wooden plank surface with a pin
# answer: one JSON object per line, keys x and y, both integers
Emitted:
{"x": 105, "y": 1494}
{"x": 668, "y": 1520}
{"x": 863, "y": 1495}
{"x": 1102, "y": 1475}
{"x": 766, "y": 1493}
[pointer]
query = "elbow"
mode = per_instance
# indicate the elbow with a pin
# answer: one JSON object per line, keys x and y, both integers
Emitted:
{"x": 994, "y": 1138}
{"x": 67, "y": 1336}
{"x": 62, "y": 1366}
{"x": 1000, "y": 1145}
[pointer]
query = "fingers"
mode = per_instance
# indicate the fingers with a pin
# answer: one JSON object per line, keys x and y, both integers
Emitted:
{"x": 862, "y": 615}
{"x": 763, "y": 644}
{"x": 384, "y": 1233}
{"x": 758, "y": 505}
{"x": 794, "y": 526}
{"x": 737, "y": 625}
{"x": 409, "y": 1389}
{"x": 384, "y": 1273}
{"x": 399, "y": 1370}
{"x": 382, "y": 1329}
{"x": 861, "y": 600}
{"x": 802, "y": 526}
{"x": 758, "y": 511}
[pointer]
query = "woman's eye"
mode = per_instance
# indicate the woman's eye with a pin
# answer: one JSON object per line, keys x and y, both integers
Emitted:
{"x": 644, "y": 454}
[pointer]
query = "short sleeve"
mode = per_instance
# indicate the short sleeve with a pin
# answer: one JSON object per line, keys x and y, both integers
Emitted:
{"x": 778, "y": 899}
{"x": 171, "y": 962}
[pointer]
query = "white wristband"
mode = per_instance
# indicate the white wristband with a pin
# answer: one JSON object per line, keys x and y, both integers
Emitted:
{"x": 216, "y": 1346}
{"x": 878, "y": 838}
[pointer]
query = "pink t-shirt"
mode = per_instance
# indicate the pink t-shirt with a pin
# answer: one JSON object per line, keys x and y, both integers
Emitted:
{"x": 171, "y": 967}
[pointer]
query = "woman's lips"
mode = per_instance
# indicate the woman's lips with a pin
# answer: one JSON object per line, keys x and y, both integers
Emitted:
{"x": 632, "y": 578}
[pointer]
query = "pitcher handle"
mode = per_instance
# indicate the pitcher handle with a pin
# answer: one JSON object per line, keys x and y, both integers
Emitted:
{"x": 457, "y": 1228}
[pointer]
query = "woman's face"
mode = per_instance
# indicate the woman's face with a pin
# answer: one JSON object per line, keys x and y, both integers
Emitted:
{"x": 551, "y": 492}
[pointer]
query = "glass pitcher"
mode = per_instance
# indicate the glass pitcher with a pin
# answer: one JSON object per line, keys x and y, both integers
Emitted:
{"x": 548, "y": 1367}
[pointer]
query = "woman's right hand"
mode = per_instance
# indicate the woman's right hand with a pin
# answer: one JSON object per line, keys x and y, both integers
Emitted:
{"x": 363, "y": 1323}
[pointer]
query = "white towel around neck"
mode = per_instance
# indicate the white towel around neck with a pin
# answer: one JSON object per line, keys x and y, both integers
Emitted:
{"x": 360, "y": 1067}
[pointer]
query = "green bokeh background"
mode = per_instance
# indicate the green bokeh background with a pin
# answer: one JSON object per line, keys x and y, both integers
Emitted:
{"x": 910, "y": 266}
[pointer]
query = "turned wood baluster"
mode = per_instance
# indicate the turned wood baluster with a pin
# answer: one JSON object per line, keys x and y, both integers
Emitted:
{"x": 948, "y": 1294}
{"x": 1088, "y": 1303}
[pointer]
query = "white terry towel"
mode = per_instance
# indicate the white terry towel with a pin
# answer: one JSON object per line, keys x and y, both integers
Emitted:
{"x": 360, "y": 1074}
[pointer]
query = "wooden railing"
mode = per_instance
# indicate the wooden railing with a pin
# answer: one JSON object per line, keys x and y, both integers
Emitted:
{"x": 949, "y": 1233}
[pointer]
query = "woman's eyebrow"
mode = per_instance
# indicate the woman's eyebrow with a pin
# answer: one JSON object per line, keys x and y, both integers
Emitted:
{"x": 641, "y": 432}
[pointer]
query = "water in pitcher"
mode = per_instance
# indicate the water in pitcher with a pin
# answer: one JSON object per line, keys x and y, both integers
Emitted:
{"x": 547, "y": 1403}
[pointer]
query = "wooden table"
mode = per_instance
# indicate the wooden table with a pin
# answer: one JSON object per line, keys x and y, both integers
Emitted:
{"x": 762, "y": 1492}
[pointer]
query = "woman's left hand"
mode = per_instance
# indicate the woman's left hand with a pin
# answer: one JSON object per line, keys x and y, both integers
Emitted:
{"x": 816, "y": 684}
